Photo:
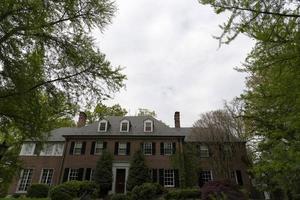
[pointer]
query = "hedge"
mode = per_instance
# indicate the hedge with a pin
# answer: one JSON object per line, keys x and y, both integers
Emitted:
{"x": 182, "y": 194}
{"x": 38, "y": 191}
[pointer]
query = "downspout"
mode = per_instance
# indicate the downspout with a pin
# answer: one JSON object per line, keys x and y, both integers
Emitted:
{"x": 62, "y": 162}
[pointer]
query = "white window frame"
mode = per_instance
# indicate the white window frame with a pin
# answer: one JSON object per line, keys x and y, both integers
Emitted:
{"x": 31, "y": 153}
{"x": 211, "y": 175}
{"x": 166, "y": 148}
{"x": 204, "y": 151}
{"x": 58, "y": 145}
{"x": 106, "y": 124}
{"x": 98, "y": 145}
{"x": 92, "y": 174}
{"x": 47, "y": 176}
{"x": 123, "y": 122}
{"x": 169, "y": 181}
{"x": 146, "y": 122}
{"x": 25, "y": 180}
{"x": 147, "y": 144}
{"x": 74, "y": 150}
{"x": 47, "y": 153}
{"x": 70, "y": 172}
{"x": 122, "y": 151}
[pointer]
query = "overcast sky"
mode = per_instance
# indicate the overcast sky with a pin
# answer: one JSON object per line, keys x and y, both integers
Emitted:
{"x": 171, "y": 59}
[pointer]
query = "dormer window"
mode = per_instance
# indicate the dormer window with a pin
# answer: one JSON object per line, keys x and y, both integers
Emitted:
{"x": 148, "y": 126}
{"x": 124, "y": 126}
{"x": 102, "y": 126}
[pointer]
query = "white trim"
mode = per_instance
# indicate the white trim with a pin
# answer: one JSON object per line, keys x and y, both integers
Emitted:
{"x": 41, "y": 175}
{"x": 22, "y": 153}
{"x": 148, "y": 121}
{"x": 119, "y": 165}
{"x": 106, "y": 123}
{"x": 124, "y": 121}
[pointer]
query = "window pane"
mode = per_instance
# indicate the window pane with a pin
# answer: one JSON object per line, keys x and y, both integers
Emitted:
{"x": 58, "y": 149}
{"x": 205, "y": 176}
{"x": 169, "y": 178}
{"x": 102, "y": 126}
{"x": 122, "y": 149}
{"x": 148, "y": 148}
{"x": 77, "y": 148}
{"x": 148, "y": 126}
{"x": 168, "y": 148}
{"x": 98, "y": 147}
{"x": 27, "y": 149}
{"x": 73, "y": 174}
{"x": 25, "y": 179}
{"x": 124, "y": 126}
{"x": 204, "y": 153}
{"x": 46, "y": 177}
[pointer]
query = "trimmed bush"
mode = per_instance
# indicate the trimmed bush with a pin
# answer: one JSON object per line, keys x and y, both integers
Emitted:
{"x": 183, "y": 194}
{"x": 222, "y": 190}
{"x": 38, "y": 190}
{"x": 146, "y": 191}
{"x": 60, "y": 192}
{"x": 73, "y": 189}
{"x": 120, "y": 197}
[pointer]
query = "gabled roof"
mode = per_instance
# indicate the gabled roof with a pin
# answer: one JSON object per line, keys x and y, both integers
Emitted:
{"x": 136, "y": 129}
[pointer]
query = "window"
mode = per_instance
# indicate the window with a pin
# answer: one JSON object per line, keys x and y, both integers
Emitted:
{"x": 25, "y": 180}
{"x": 124, "y": 126}
{"x": 227, "y": 151}
{"x": 205, "y": 176}
{"x": 148, "y": 126}
{"x": 237, "y": 176}
{"x": 122, "y": 149}
{"x": 169, "y": 178}
{"x": 147, "y": 148}
{"x": 98, "y": 148}
{"x": 27, "y": 149}
{"x": 46, "y": 176}
{"x": 204, "y": 152}
{"x": 92, "y": 174}
{"x": 47, "y": 149}
{"x": 58, "y": 149}
{"x": 102, "y": 126}
{"x": 73, "y": 174}
{"x": 77, "y": 148}
{"x": 168, "y": 150}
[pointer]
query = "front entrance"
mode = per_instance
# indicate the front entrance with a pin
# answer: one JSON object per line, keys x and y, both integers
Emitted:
{"x": 120, "y": 180}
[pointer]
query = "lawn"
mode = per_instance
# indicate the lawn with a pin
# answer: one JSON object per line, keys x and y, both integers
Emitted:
{"x": 25, "y": 198}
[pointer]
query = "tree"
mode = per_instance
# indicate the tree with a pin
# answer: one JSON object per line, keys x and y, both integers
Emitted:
{"x": 49, "y": 63}
{"x": 138, "y": 171}
{"x": 103, "y": 173}
{"x": 102, "y": 110}
{"x": 220, "y": 130}
{"x": 272, "y": 97}
{"x": 146, "y": 112}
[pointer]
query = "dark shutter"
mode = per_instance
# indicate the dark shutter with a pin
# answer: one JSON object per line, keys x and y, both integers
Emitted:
{"x": 153, "y": 148}
{"x": 128, "y": 148}
{"x": 142, "y": 147}
{"x": 116, "y": 148}
{"x": 161, "y": 177}
{"x": 174, "y": 147}
{"x": 66, "y": 174}
{"x": 161, "y": 148}
{"x": 93, "y": 148}
{"x": 72, "y": 148}
{"x": 83, "y": 148}
{"x": 88, "y": 174}
{"x": 239, "y": 177}
{"x": 104, "y": 145}
{"x": 80, "y": 174}
{"x": 154, "y": 175}
{"x": 176, "y": 176}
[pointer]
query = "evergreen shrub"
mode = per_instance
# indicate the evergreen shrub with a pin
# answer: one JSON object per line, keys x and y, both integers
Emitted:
{"x": 38, "y": 190}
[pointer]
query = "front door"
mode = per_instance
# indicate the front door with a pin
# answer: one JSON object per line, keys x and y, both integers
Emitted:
{"x": 120, "y": 180}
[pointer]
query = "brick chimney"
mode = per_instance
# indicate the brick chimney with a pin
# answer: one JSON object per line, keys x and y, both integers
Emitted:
{"x": 177, "y": 119}
{"x": 81, "y": 120}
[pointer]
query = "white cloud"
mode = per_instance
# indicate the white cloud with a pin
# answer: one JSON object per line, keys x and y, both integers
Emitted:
{"x": 172, "y": 61}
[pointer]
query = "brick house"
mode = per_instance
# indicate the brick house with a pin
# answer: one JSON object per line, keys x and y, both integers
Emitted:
{"x": 72, "y": 153}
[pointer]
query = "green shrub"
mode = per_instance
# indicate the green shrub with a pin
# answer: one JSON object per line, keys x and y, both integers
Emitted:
{"x": 183, "y": 194}
{"x": 60, "y": 192}
{"x": 120, "y": 197}
{"x": 38, "y": 190}
{"x": 146, "y": 191}
{"x": 72, "y": 189}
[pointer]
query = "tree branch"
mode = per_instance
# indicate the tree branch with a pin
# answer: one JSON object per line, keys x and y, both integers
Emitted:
{"x": 44, "y": 83}
{"x": 257, "y": 11}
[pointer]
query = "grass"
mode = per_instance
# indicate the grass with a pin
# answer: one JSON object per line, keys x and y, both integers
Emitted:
{"x": 25, "y": 198}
